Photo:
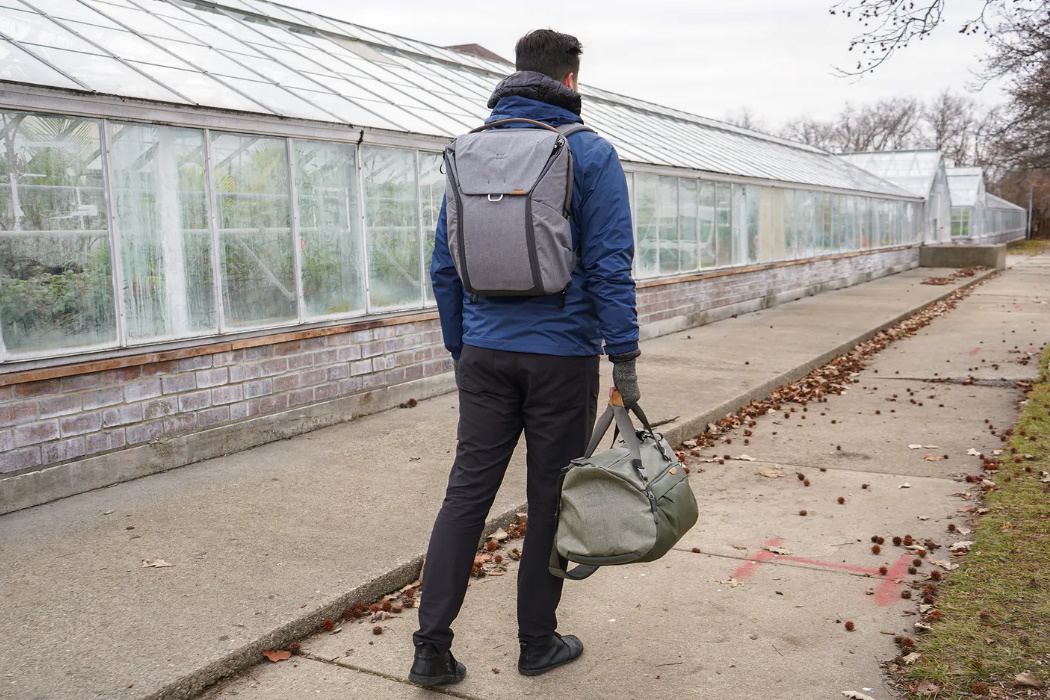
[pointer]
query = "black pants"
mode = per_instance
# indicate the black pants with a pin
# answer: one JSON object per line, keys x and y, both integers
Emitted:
{"x": 501, "y": 393}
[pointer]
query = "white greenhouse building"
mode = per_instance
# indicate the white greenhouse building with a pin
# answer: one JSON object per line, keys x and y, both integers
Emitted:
{"x": 920, "y": 172}
{"x": 978, "y": 215}
{"x": 217, "y": 218}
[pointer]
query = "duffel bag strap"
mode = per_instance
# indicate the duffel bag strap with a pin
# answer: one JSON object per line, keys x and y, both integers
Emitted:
{"x": 576, "y": 573}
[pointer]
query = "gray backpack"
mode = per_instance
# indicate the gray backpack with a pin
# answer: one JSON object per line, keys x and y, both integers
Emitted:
{"x": 508, "y": 196}
{"x": 629, "y": 504}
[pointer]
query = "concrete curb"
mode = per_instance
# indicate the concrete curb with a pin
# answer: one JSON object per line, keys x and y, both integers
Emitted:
{"x": 192, "y": 684}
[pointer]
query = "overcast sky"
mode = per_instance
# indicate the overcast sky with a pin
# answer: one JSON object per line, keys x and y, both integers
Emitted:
{"x": 710, "y": 57}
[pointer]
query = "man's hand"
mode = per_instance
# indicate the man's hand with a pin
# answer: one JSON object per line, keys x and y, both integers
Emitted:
{"x": 625, "y": 379}
{"x": 455, "y": 370}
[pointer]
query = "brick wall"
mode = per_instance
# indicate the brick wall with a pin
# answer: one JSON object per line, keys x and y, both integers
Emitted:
{"x": 48, "y": 422}
{"x": 78, "y": 422}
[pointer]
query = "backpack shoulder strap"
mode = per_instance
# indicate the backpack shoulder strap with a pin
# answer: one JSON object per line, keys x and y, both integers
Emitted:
{"x": 571, "y": 128}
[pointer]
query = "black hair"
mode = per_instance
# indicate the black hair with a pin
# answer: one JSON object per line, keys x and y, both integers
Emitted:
{"x": 549, "y": 52}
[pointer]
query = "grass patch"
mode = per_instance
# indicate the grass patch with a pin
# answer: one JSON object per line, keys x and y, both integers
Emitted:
{"x": 1033, "y": 247}
{"x": 996, "y": 607}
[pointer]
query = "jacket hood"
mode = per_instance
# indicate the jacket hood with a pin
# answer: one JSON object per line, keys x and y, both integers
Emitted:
{"x": 539, "y": 87}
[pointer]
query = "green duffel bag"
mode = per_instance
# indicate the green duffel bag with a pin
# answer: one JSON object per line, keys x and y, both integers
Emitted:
{"x": 629, "y": 504}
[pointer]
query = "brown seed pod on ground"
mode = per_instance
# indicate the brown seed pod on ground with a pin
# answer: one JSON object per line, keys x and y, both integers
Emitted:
{"x": 841, "y": 500}
{"x": 850, "y": 626}
{"x": 802, "y": 512}
{"x": 386, "y": 605}
{"x": 378, "y": 629}
{"x": 912, "y": 570}
{"x": 935, "y": 575}
{"x": 876, "y": 549}
{"x": 905, "y": 594}
{"x": 805, "y": 482}
{"x": 884, "y": 570}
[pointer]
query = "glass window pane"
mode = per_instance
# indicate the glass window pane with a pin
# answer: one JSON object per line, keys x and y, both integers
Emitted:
{"x": 688, "y": 225}
{"x": 207, "y": 59}
{"x": 56, "y": 286}
{"x": 431, "y": 194}
{"x": 201, "y": 89}
{"x": 667, "y": 219}
{"x": 647, "y": 205}
{"x": 109, "y": 76}
{"x": 165, "y": 241}
{"x": 72, "y": 9}
{"x": 392, "y": 225}
{"x": 753, "y": 196}
{"x": 258, "y": 276}
{"x": 724, "y": 224}
{"x": 31, "y": 28}
{"x": 707, "y": 225}
{"x": 126, "y": 45}
{"x": 329, "y": 228}
{"x": 18, "y": 66}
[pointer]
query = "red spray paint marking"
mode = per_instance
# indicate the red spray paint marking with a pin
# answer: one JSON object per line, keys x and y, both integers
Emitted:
{"x": 975, "y": 351}
{"x": 886, "y": 593}
{"x": 747, "y": 570}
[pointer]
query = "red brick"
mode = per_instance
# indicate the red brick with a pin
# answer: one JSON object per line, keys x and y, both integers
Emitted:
{"x": 122, "y": 416}
{"x": 142, "y": 389}
{"x": 61, "y": 405}
{"x": 155, "y": 368}
{"x": 99, "y": 398}
{"x": 300, "y": 361}
{"x": 35, "y": 433}
{"x": 62, "y": 450}
{"x": 159, "y": 408}
{"x": 19, "y": 459}
{"x": 227, "y": 394}
{"x": 104, "y": 441}
{"x": 286, "y": 383}
{"x": 259, "y": 388}
{"x": 178, "y": 383}
{"x": 194, "y": 401}
{"x": 313, "y": 376}
{"x": 80, "y": 424}
{"x": 287, "y": 348}
{"x": 212, "y": 377}
{"x": 301, "y": 396}
{"x": 273, "y": 404}
{"x": 243, "y": 373}
{"x": 144, "y": 432}
{"x": 30, "y": 389}
{"x": 276, "y": 366}
{"x": 213, "y": 416}
{"x": 192, "y": 364}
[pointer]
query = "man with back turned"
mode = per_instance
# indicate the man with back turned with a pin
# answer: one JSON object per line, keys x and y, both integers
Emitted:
{"x": 532, "y": 364}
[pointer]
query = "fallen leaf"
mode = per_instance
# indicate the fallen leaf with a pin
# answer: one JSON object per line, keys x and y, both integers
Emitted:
{"x": 922, "y": 626}
{"x": 923, "y": 517}
{"x": 962, "y": 546}
{"x": 746, "y": 458}
{"x": 155, "y": 564}
{"x": 380, "y": 615}
{"x": 482, "y": 558}
{"x": 690, "y": 443}
{"x": 996, "y": 453}
{"x": 912, "y": 658}
{"x": 973, "y": 453}
{"x": 499, "y": 535}
{"x": 276, "y": 655}
{"x": 856, "y": 696}
{"x": 731, "y": 582}
{"x": 772, "y": 473}
{"x": 1029, "y": 680}
{"x": 904, "y": 486}
{"x": 914, "y": 447}
{"x": 931, "y": 447}
{"x": 933, "y": 458}
{"x": 927, "y": 688}
{"x": 963, "y": 530}
{"x": 778, "y": 550}
{"x": 946, "y": 565}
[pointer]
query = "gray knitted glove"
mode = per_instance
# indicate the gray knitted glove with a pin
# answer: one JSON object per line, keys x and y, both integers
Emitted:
{"x": 455, "y": 370}
{"x": 625, "y": 379}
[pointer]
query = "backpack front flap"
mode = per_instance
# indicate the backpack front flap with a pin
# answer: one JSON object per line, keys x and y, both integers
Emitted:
{"x": 507, "y": 193}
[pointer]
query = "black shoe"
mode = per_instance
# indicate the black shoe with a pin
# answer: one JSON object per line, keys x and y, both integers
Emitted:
{"x": 431, "y": 667}
{"x": 552, "y": 652}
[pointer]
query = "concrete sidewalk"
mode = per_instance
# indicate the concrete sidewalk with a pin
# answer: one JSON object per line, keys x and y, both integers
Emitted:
{"x": 267, "y": 543}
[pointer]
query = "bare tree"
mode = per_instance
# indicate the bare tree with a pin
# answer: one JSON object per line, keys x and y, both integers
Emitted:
{"x": 745, "y": 118}
{"x": 812, "y": 132}
{"x": 949, "y": 120}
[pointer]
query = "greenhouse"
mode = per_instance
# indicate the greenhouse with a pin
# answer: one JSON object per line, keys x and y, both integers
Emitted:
{"x": 215, "y": 215}
{"x": 920, "y": 172}
{"x": 978, "y": 215}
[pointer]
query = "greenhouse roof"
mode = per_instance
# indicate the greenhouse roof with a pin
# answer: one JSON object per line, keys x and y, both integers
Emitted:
{"x": 1000, "y": 203}
{"x": 253, "y": 56}
{"x": 912, "y": 170}
{"x": 966, "y": 185}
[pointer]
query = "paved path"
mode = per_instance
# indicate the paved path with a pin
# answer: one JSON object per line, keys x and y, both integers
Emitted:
{"x": 268, "y": 542}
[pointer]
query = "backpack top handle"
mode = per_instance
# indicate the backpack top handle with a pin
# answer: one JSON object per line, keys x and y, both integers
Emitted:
{"x": 501, "y": 122}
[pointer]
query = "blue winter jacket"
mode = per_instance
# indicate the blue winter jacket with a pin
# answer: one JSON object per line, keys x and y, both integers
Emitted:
{"x": 599, "y": 303}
